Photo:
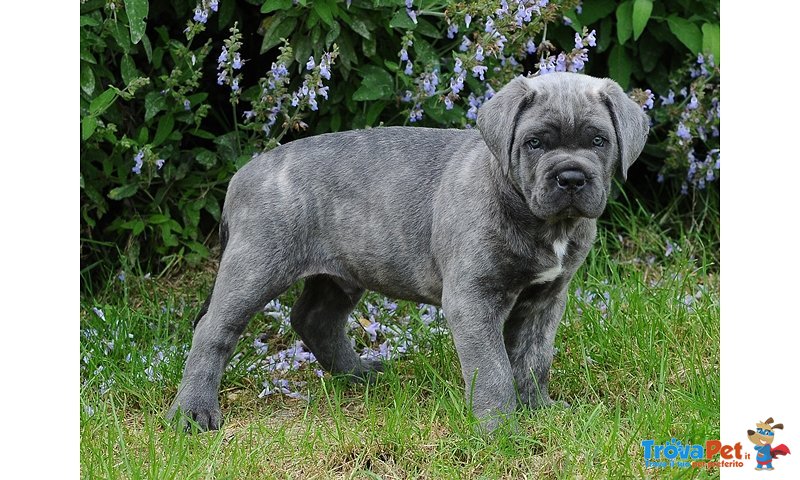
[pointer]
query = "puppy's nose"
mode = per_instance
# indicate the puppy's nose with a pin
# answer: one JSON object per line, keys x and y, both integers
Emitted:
{"x": 571, "y": 180}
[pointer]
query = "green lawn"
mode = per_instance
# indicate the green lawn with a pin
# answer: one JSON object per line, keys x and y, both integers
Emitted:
{"x": 637, "y": 358}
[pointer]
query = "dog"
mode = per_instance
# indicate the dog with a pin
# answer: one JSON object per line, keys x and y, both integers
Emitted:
{"x": 489, "y": 223}
{"x": 763, "y": 438}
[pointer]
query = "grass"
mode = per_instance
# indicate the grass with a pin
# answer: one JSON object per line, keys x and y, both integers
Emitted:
{"x": 637, "y": 358}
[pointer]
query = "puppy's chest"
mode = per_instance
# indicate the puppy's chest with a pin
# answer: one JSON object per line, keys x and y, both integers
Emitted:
{"x": 550, "y": 265}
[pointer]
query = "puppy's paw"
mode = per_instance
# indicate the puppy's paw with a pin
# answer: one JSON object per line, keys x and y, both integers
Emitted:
{"x": 190, "y": 415}
{"x": 367, "y": 371}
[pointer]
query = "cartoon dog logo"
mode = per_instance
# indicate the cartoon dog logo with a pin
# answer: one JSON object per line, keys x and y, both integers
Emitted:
{"x": 763, "y": 438}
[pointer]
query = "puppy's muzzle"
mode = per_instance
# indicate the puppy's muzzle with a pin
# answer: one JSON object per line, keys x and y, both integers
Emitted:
{"x": 571, "y": 181}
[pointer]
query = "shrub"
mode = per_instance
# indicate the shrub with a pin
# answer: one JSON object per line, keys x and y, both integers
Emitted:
{"x": 175, "y": 97}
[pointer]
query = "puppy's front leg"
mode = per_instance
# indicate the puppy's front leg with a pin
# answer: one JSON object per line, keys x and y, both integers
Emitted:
{"x": 529, "y": 337}
{"x": 476, "y": 323}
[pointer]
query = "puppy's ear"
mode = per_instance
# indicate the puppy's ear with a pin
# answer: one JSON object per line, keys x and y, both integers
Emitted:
{"x": 769, "y": 420}
{"x": 778, "y": 426}
{"x": 630, "y": 122}
{"x": 497, "y": 119}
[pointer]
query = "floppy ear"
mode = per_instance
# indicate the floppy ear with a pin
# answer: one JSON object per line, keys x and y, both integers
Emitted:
{"x": 497, "y": 119}
{"x": 630, "y": 123}
{"x": 778, "y": 426}
{"x": 769, "y": 420}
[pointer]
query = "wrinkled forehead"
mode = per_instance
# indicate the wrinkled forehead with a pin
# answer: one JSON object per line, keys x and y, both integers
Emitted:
{"x": 569, "y": 103}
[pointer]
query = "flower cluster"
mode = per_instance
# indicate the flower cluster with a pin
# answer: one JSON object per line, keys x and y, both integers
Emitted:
{"x": 230, "y": 62}
{"x": 495, "y": 40}
{"x": 145, "y": 154}
{"x": 693, "y": 109}
{"x": 202, "y": 9}
{"x": 277, "y": 102}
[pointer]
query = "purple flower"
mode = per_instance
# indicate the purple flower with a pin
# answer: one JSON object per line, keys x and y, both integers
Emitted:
{"x": 237, "y": 61}
{"x": 200, "y": 15}
{"x": 99, "y": 313}
{"x": 429, "y": 83}
{"x": 683, "y": 132}
{"x": 325, "y": 66}
{"x": 221, "y": 77}
{"x": 409, "y": 69}
{"x": 468, "y": 19}
{"x": 479, "y": 53}
{"x": 465, "y": 43}
{"x": 669, "y": 249}
{"x": 187, "y": 105}
{"x": 566, "y": 20}
{"x": 478, "y": 71}
{"x": 213, "y": 5}
{"x": 457, "y": 67}
{"x": 523, "y": 14}
{"x": 448, "y": 103}
{"x": 591, "y": 39}
{"x": 530, "y": 47}
{"x": 159, "y": 163}
{"x": 407, "y": 97}
{"x": 669, "y": 99}
{"x": 452, "y": 30}
{"x": 660, "y": 178}
{"x": 235, "y": 85}
{"x": 223, "y": 57}
{"x": 412, "y": 15}
{"x": 579, "y": 8}
{"x": 489, "y": 28}
{"x": 323, "y": 91}
{"x": 416, "y": 113}
{"x": 578, "y": 41}
{"x": 409, "y": 4}
{"x": 138, "y": 160}
{"x": 649, "y": 103}
{"x": 403, "y": 55}
{"x": 310, "y": 64}
{"x": 502, "y": 10}
{"x": 561, "y": 63}
{"x": 693, "y": 104}
{"x": 457, "y": 83}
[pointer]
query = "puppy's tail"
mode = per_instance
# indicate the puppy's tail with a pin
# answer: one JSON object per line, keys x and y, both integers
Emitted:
{"x": 223, "y": 240}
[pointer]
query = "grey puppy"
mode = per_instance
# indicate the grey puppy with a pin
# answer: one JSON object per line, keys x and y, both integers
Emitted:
{"x": 489, "y": 224}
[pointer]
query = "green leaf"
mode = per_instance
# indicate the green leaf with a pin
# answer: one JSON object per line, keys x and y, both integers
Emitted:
{"x": 324, "y": 10}
{"x": 333, "y": 34}
{"x": 128, "y": 69}
{"x": 280, "y": 27}
{"x": 650, "y": 51}
{"x": 164, "y": 129}
{"x": 87, "y": 21}
{"x": 711, "y": 40}
{"x": 168, "y": 237}
{"x": 206, "y": 158}
{"x": 100, "y": 103}
{"x": 158, "y": 219}
{"x": 154, "y": 102}
{"x": 687, "y": 32}
{"x": 624, "y": 22}
{"x": 121, "y": 35}
{"x": 641, "y": 14}
{"x": 88, "y": 126}
{"x": 137, "y": 11}
{"x": 87, "y": 78}
{"x": 594, "y": 10}
{"x": 212, "y": 207}
{"x": 86, "y": 55}
{"x": 402, "y": 20}
{"x": 619, "y": 66}
{"x": 148, "y": 49}
{"x": 226, "y": 12}
{"x": 376, "y": 84}
{"x": 426, "y": 28}
{"x": 272, "y": 5}
{"x": 124, "y": 191}
{"x": 374, "y": 111}
{"x": 360, "y": 28}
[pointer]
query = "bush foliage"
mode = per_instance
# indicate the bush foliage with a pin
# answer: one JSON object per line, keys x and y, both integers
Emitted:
{"x": 176, "y": 96}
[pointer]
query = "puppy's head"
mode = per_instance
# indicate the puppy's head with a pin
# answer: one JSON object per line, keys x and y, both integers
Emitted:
{"x": 561, "y": 137}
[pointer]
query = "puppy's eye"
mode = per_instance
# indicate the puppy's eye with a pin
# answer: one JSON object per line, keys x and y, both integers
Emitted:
{"x": 598, "y": 141}
{"x": 534, "y": 143}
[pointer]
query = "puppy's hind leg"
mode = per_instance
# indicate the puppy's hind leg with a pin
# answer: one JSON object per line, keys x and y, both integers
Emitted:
{"x": 320, "y": 316}
{"x": 244, "y": 284}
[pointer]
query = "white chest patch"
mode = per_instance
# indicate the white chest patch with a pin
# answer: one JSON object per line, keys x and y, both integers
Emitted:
{"x": 560, "y": 249}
